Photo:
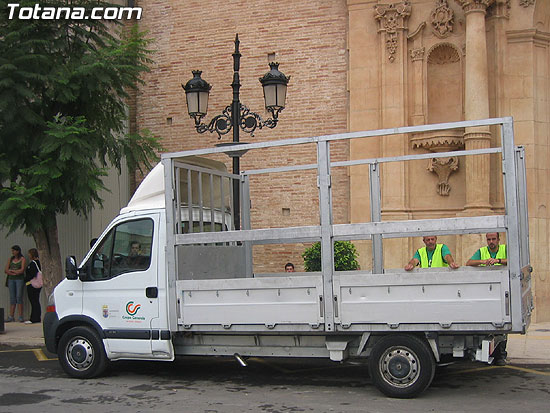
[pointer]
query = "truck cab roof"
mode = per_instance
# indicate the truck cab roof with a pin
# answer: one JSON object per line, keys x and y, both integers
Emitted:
{"x": 150, "y": 193}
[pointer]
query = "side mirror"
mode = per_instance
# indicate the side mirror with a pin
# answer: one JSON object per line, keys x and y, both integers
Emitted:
{"x": 70, "y": 268}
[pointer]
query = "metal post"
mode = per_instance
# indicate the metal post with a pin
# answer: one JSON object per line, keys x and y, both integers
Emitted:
{"x": 179, "y": 223}
{"x": 376, "y": 216}
{"x": 222, "y": 204}
{"x": 212, "y": 206}
{"x": 522, "y": 204}
{"x": 236, "y": 118}
{"x": 190, "y": 201}
{"x": 513, "y": 234}
{"x": 201, "y": 205}
{"x": 245, "y": 196}
{"x": 327, "y": 247}
{"x": 171, "y": 248}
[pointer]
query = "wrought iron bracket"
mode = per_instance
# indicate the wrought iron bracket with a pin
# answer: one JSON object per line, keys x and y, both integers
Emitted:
{"x": 248, "y": 121}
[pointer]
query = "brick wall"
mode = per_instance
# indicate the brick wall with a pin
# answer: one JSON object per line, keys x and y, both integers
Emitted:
{"x": 309, "y": 41}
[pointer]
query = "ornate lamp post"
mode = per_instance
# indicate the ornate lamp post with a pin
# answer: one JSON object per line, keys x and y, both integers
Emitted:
{"x": 237, "y": 116}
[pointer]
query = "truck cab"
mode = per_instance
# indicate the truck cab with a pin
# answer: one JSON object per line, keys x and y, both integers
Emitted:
{"x": 114, "y": 304}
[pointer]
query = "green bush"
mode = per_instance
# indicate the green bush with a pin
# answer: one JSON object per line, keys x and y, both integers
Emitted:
{"x": 345, "y": 256}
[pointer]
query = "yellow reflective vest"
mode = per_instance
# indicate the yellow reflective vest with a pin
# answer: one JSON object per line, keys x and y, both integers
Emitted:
{"x": 437, "y": 258}
{"x": 486, "y": 254}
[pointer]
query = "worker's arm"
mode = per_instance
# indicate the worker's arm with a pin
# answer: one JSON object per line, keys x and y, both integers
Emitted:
{"x": 412, "y": 263}
{"x": 476, "y": 260}
{"x": 475, "y": 263}
{"x": 450, "y": 260}
{"x": 491, "y": 261}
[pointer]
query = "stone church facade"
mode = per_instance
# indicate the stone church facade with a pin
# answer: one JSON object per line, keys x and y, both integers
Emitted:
{"x": 361, "y": 65}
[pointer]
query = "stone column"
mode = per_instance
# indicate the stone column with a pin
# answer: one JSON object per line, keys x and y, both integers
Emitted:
{"x": 417, "y": 56}
{"x": 392, "y": 27}
{"x": 392, "y": 18}
{"x": 476, "y": 107}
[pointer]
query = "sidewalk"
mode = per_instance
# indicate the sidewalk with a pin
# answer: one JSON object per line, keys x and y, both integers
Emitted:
{"x": 20, "y": 334}
{"x": 530, "y": 348}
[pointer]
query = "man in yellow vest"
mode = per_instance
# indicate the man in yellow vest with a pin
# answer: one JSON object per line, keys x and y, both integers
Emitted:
{"x": 432, "y": 255}
{"x": 492, "y": 254}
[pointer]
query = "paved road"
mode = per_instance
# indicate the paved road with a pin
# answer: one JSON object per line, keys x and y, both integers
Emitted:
{"x": 266, "y": 385}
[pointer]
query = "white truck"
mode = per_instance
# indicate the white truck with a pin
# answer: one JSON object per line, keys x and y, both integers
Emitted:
{"x": 191, "y": 289}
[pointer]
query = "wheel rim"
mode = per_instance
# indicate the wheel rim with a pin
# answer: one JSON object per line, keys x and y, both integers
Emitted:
{"x": 80, "y": 353}
{"x": 399, "y": 366}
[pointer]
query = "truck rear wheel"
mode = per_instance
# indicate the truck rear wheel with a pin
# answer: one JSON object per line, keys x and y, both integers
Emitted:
{"x": 401, "y": 366}
{"x": 81, "y": 353}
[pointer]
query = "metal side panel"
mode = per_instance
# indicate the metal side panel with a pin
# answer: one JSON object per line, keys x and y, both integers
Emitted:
{"x": 263, "y": 302}
{"x": 441, "y": 298}
{"x": 200, "y": 262}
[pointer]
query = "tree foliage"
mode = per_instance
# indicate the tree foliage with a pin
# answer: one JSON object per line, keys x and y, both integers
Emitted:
{"x": 63, "y": 90}
{"x": 345, "y": 257}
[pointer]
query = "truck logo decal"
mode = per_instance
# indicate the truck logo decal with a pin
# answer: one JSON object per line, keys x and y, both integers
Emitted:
{"x": 132, "y": 308}
{"x": 106, "y": 311}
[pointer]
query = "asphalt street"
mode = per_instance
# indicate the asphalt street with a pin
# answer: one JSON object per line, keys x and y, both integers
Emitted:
{"x": 32, "y": 380}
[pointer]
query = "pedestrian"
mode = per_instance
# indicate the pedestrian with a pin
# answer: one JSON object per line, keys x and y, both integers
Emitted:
{"x": 15, "y": 270}
{"x": 289, "y": 267}
{"x": 432, "y": 255}
{"x": 34, "y": 293}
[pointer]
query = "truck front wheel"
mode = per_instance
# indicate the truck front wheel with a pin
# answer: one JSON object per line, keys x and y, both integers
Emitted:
{"x": 401, "y": 366}
{"x": 81, "y": 353}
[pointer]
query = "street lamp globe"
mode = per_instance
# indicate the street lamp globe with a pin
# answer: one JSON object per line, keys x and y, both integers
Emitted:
{"x": 274, "y": 84}
{"x": 196, "y": 92}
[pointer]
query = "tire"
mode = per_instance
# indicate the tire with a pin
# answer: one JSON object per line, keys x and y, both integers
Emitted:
{"x": 401, "y": 366}
{"x": 81, "y": 353}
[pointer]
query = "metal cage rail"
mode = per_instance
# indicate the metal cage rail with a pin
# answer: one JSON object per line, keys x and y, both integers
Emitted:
{"x": 514, "y": 221}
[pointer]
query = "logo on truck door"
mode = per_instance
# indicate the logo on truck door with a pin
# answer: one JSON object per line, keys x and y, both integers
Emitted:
{"x": 132, "y": 308}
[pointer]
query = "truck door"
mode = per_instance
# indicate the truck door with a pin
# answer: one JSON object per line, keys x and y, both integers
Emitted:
{"x": 120, "y": 291}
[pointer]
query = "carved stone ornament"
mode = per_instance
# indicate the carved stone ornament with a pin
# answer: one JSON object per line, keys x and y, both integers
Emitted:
{"x": 526, "y": 3}
{"x": 391, "y": 19}
{"x": 500, "y": 8}
{"x": 444, "y": 53}
{"x": 443, "y": 167}
{"x": 470, "y": 5}
{"x": 417, "y": 54}
{"x": 442, "y": 19}
{"x": 441, "y": 141}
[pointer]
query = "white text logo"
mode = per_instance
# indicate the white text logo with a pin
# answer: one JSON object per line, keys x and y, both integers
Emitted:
{"x": 72, "y": 13}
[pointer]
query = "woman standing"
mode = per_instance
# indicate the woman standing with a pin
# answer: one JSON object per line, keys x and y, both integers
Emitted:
{"x": 15, "y": 269}
{"x": 34, "y": 293}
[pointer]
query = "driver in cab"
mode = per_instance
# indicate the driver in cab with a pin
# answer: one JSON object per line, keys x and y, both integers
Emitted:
{"x": 135, "y": 258}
